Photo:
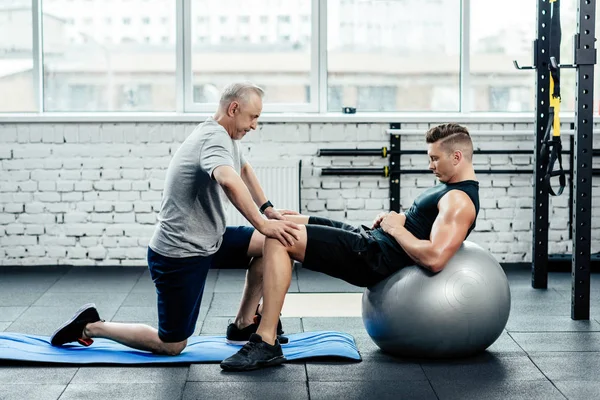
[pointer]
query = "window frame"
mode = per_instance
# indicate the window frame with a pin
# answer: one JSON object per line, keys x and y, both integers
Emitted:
{"x": 317, "y": 108}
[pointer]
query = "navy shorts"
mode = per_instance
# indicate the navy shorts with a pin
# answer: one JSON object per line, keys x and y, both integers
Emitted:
{"x": 180, "y": 282}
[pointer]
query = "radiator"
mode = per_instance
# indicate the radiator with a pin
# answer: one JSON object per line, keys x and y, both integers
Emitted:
{"x": 280, "y": 181}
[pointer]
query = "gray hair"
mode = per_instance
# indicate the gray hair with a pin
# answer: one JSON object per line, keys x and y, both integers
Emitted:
{"x": 239, "y": 92}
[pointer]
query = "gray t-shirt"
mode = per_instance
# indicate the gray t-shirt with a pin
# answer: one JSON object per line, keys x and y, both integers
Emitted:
{"x": 192, "y": 214}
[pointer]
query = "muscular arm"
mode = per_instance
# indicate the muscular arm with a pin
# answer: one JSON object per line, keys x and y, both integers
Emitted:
{"x": 456, "y": 214}
{"x": 238, "y": 193}
{"x": 253, "y": 185}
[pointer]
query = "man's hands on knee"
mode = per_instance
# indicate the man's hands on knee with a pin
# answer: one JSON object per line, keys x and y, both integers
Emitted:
{"x": 272, "y": 213}
{"x": 286, "y": 232}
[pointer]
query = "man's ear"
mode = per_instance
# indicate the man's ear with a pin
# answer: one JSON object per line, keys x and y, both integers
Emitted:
{"x": 458, "y": 155}
{"x": 233, "y": 106}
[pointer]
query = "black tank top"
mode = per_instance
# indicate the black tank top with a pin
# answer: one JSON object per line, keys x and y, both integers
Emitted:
{"x": 420, "y": 218}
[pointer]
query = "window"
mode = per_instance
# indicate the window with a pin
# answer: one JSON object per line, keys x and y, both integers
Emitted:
{"x": 494, "y": 43}
{"x": 386, "y": 66}
{"x": 379, "y": 55}
{"x": 16, "y": 61}
{"x": 252, "y": 51}
{"x": 376, "y": 98}
{"x": 127, "y": 73}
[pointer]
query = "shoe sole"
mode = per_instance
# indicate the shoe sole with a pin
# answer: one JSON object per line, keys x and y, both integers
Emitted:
{"x": 77, "y": 314}
{"x": 262, "y": 364}
{"x": 243, "y": 342}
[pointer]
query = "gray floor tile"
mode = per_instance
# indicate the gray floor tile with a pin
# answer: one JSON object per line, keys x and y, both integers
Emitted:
{"x": 35, "y": 327}
{"x": 484, "y": 367}
{"x": 36, "y": 374}
{"x": 316, "y": 282}
{"x": 577, "y": 390}
{"x": 549, "y": 323}
{"x": 224, "y": 304}
{"x": 9, "y": 314}
{"x": 17, "y": 297}
{"x": 527, "y": 294}
{"x": 4, "y": 325}
{"x": 513, "y": 390}
{"x": 229, "y": 286}
{"x": 349, "y": 325}
{"x": 44, "y": 320}
{"x": 290, "y": 372}
{"x": 130, "y": 391}
{"x": 86, "y": 280}
{"x": 62, "y": 313}
{"x": 553, "y": 307}
{"x": 30, "y": 279}
{"x": 102, "y": 300}
{"x": 11, "y": 391}
{"x": 419, "y": 390}
{"x": 558, "y": 341}
{"x": 134, "y": 374}
{"x": 505, "y": 344}
{"x": 136, "y": 314}
{"x": 143, "y": 299}
{"x": 576, "y": 366}
{"x": 246, "y": 390}
{"x": 366, "y": 370}
{"x": 144, "y": 285}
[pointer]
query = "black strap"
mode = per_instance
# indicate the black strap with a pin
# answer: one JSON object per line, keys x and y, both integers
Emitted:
{"x": 550, "y": 152}
{"x": 265, "y": 206}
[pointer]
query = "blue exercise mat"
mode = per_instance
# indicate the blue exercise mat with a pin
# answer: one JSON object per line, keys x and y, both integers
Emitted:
{"x": 22, "y": 347}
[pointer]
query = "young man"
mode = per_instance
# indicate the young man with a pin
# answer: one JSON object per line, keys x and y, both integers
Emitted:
{"x": 191, "y": 236}
{"x": 428, "y": 234}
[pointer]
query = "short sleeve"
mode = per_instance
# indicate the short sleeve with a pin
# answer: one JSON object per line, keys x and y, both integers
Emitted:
{"x": 217, "y": 151}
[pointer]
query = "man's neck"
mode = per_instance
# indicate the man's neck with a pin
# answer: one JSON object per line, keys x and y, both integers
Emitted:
{"x": 225, "y": 122}
{"x": 467, "y": 175}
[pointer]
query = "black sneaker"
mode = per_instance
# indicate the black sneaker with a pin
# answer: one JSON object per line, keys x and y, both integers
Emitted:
{"x": 236, "y": 335}
{"x": 280, "y": 332}
{"x": 254, "y": 355}
{"x": 72, "y": 330}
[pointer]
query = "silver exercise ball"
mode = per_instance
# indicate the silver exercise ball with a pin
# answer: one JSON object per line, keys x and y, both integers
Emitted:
{"x": 457, "y": 312}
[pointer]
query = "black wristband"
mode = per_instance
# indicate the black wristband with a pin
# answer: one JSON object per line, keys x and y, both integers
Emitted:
{"x": 265, "y": 206}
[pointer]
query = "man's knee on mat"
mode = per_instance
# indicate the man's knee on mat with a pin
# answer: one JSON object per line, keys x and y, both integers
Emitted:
{"x": 170, "y": 349}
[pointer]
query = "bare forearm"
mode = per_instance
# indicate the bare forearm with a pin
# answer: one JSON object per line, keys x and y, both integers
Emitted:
{"x": 249, "y": 178}
{"x": 421, "y": 251}
{"x": 242, "y": 200}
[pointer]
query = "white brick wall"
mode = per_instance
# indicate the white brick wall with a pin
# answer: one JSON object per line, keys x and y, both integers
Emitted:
{"x": 88, "y": 194}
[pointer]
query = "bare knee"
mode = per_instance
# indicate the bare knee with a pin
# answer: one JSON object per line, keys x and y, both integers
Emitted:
{"x": 171, "y": 349}
{"x": 296, "y": 252}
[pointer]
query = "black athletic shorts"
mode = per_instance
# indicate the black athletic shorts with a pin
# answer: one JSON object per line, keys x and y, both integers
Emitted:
{"x": 343, "y": 251}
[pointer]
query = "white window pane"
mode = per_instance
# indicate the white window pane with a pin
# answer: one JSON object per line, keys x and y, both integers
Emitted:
{"x": 496, "y": 42}
{"x": 109, "y": 56}
{"x": 16, "y": 62}
{"x": 393, "y": 55}
{"x": 266, "y": 42}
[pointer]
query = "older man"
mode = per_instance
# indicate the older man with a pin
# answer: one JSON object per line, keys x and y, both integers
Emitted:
{"x": 191, "y": 235}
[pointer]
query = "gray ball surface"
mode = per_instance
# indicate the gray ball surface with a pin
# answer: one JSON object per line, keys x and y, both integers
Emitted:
{"x": 457, "y": 312}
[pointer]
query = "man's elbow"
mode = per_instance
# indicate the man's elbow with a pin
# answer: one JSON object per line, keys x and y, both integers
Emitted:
{"x": 436, "y": 267}
{"x": 437, "y": 262}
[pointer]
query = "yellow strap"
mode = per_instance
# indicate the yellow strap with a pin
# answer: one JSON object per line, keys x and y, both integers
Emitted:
{"x": 555, "y": 103}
